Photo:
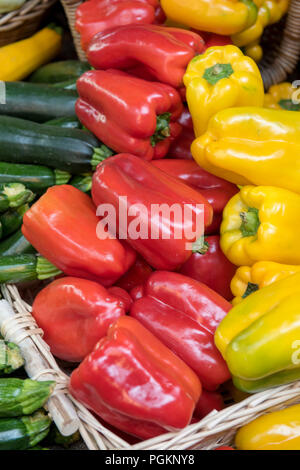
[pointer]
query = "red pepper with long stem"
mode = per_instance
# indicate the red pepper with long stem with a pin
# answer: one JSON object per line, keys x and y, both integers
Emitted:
{"x": 184, "y": 315}
{"x": 130, "y": 114}
{"x": 154, "y": 213}
{"x": 75, "y": 314}
{"x": 135, "y": 383}
{"x": 210, "y": 266}
{"x": 216, "y": 190}
{"x": 95, "y": 16}
{"x": 160, "y": 53}
{"x": 62, "y": 226}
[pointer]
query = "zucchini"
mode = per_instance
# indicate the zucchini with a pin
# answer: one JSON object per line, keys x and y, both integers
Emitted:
{"x": 67, "y": 85}
{"x": 16, "y": 244}
{"x": 82, "y": 182}
{"x": 14, "y": 195}
{"x": 10, "y": 357}
{"x": 27, "y": 267}
{"x": 20, "y": 397}
{"x": 11, "y": 220}
{"x": 38, "y": 103}
{"x": 24, "y": 432}
{"x": 65, "y": 122}
{"x": 73, "y": 150}
{"x": 37, "y": 178}
{"x": 60, "y": 71}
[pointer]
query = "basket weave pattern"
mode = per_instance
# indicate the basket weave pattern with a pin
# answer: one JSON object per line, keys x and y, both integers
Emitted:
{"x": 23, "y": 22}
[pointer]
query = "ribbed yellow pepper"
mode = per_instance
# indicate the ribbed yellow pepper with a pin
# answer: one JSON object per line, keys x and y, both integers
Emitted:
{"x": 261, "y": 223}
{"x": 279, "y": 430}
{"x": 281, "y": 97}
{"x": 222, "y": 77}
{"x": 260, "y": 337}
{"x": 219, "y": 16}
{"x": 277, "y": 9}
{"x": 249, "y": 279}
{"x": 255, "y": 31}
{"x": 252, "y": 146}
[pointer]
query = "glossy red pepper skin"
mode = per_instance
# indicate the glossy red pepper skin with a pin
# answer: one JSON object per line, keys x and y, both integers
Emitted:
{"x": 135, "y": 383}
{"x": 208, "y": 402}
{"x": 62, "y": 226}
{"x": 184, "y": 315}
{"x": 211, "y": 267}
{"x": 143, "y": 183}
{"x": 95, "y": 16}
{"x": 216, "y": 190}
{"x": 213, "y": 39}
{"x": 122, "y": 110}
{"x": 136, "y": 275}
{"x": 75, "y": 314}
{"x": 181, "y": 146}
{"x": 163, "y": 53}
{"x": 123, "y": 296}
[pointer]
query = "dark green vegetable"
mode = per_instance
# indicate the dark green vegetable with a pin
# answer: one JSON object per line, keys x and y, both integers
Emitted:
{"x": 38, "y": 103}
{"x": 10, "y": 357}
{"x": 72, "y": 150}
{"x": 35, "y": 177}
{"x": 55, "y": 437}
{"x": 66, "y": 85}
{"x": 22, "y": 397}
{"x": 65, "y": 122}
{"x": 19, "y": 268}
{"x": 16, "y": 244}
{"x": 14, "y": 195}
{"x": 11, "y": 220}
{"x": 59, "y": 71}
{"x": 82, "y": 182}
{"x": 24, "y": 432}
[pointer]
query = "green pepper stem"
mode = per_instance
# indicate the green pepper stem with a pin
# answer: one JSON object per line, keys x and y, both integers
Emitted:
{"x": 200, "y": 246}
{"x": 289, "y": 105}
{"x": 218, "y": 71}
{"x": 100, "y": 153}
{"x": 251, "y": 287}
{"x": 162, "y": 130}
{"x": 250, "y": 222}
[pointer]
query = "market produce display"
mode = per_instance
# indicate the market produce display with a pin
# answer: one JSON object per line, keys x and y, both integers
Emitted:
{"x": 155, "y": 317}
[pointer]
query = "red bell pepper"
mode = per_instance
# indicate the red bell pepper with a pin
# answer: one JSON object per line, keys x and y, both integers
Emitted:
{"x": 162, "y": 53}
{"x": 62, "y": 226}
{"x": 136, "y": 275}
{"x": 161, "y": 238}
{"x": 95, "y": 16}
{"x": 216, "y": 190}
{"x": 130, "y": 114}
{"x": 210, "y": 266}
{"x": 181, "y": 146}
{"x": 208, "y": 402}
{"x": 75, "y": 314}
{"x": 213, "y": 39}
{"x": 135, "y": 383}
{"x": 123, "y": 296}
{"x": 137, "y": 292}
{"x": 184, "y": 315}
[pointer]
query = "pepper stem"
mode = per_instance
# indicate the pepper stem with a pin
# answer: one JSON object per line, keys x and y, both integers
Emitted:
{"x": 100, "y": 154}
{"x": 218, "y": 71}
{"x": 45, "y": 269}
{"x": 289, "y": 105}
{"x": 162, "y": 130}
{"x": 251, "y": 287}
{"x": 200, "y": 246}
{"x": 61, "y": 177}
{"x": 250, "y": 222}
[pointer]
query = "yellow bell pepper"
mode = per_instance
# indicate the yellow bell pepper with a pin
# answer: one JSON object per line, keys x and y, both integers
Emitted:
{"x": 249, "y": 279}
{"x": 260, "y": 223}
{"x": 255, "y": 31}
{"x": 252, "y": 146}
{"x": 260, "y": 337}
{"x": 279, "y": 430}
{"x": 224, "y": 17}
{"x": 222, "y": 77}
{"x": 277, "y": 9}
{"x": 281, "y": 97}
{"x": 19, "y": 59}
{"x": 254, "y": 50}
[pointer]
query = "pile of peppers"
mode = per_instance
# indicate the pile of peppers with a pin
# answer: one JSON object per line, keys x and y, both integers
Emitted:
{"x": 159, "y": 327}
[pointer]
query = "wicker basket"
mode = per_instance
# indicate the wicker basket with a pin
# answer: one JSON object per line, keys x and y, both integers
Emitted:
{"x": 281, "y": 43}
{"x": 218, "y": 428}
{"x": 24, "y": 22}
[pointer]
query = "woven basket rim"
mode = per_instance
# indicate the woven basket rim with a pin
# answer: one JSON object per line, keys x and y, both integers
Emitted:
{"x": 29, "y": 10}
{"x": 217, "y": 428}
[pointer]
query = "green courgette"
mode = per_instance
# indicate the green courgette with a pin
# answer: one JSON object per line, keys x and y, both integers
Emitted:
{"x": 38, "y": 103}
{"x": 59, "y": 71}
{"x": 72, "y": 150}
{"x": 67, "y": 85}
{"x": 82, "y": 182}
{"x": 24, "y": 432}
{"x": 14, "y": 195}
{"x": 66, "y": 122}
{"x": 11, "y": 220}
{"x": 20, "y": 397}
{"x": 10, "y": 357}
{"x": 26, "y": 267}
{"x": 16, "y": 244}
{"x": 37, "y": 178}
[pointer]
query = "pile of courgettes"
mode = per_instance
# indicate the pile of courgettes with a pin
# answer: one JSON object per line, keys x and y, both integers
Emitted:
{"x": 42, "y": 144}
